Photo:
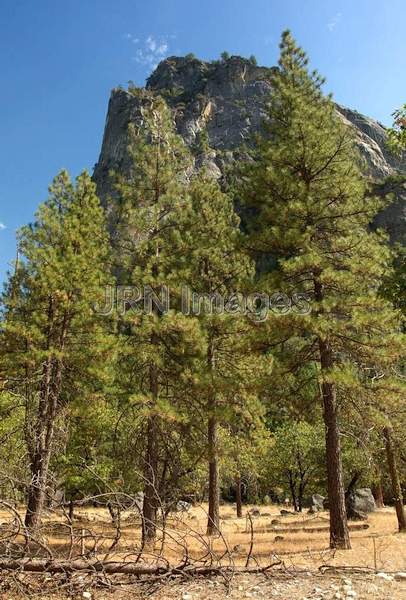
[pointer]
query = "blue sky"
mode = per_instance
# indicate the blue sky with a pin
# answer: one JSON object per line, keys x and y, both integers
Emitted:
{"x": 59, "y": 60}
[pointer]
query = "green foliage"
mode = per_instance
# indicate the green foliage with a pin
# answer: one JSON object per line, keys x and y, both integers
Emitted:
{"x": 394, "y": 283}
{"x": 12, "y": 447}
{"x": 296, "y": 460}
{"x": 397, "y": 134}
{"x": 159, "y": 349}
{"x": 55, "y": 346}
{"x": 49, "y": 303}
{"x": 311, "y": 213}
{"x": 118, "y": 392}
{"x": 202, "y": 144}
{"x": 89, "y": 466}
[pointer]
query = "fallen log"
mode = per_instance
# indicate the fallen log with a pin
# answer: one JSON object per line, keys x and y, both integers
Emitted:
{"x": 35, "y": 565}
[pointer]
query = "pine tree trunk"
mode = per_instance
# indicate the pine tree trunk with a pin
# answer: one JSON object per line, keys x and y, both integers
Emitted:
{"x": 394, "y": 476}
{"x": 40, "y": 444}
{"x": 339, "y": 535}
{"x": 37, "y": 489}
{"x": 150, "y": 503}
{"x": 213, "y": 521}
{"x": 41, "y": 455}
{"x": 238, "y": 495}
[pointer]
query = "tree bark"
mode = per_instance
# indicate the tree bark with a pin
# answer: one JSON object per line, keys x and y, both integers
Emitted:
{"x": 292, "y": 487}
{"x": 394, "y": 476}
{"x": 40, "y": 444}
{"x": 150, "y": 503}
{"x": 339, "y": 535}
{"x": 38, "y": 565}
{"x": 238, "y": 497}
{"x": 213, "y": 521}
{"x": 37, "y": 489}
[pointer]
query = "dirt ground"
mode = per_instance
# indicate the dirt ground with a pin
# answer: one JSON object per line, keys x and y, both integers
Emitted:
{"x": 297, "y": 545}
{"x": 289, "y": 587}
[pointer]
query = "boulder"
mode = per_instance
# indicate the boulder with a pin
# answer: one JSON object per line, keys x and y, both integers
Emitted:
{"x": 356, "y": 515}
{"x": 360, "y": 502}
{"x": 255, "y": 512}
{"x": 315, "y": 503}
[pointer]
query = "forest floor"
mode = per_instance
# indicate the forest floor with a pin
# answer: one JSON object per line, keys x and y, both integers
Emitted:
{"x": 304, "y": 567}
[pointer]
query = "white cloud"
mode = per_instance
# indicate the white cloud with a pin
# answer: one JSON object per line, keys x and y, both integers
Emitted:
{"x": 151, "y": 43}
{"x": 131, "y": 38}
{"x": 162, "y": 48}
{"x": 152, "y": 51}
{"x": 2, "y": 226}
{"x": 334, "y": 21}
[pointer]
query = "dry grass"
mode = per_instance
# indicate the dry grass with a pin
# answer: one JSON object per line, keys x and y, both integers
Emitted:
{"x": 301, "y": 541}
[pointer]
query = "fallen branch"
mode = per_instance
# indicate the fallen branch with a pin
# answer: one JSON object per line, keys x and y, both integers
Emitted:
{"x": 33, "y": 565}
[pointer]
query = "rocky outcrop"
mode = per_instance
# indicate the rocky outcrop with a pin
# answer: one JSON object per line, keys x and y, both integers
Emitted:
{"x": 218, "y": 107}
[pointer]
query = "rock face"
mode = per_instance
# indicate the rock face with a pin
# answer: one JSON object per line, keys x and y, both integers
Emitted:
{"x": 218, "y": 107}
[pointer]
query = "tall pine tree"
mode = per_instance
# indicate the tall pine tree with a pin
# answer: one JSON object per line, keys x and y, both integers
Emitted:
{"x": 312, "y": 214}
{"x": 160, "y": 342}
{"x": 232, "y": 372}
{"x": 54, "y": 344}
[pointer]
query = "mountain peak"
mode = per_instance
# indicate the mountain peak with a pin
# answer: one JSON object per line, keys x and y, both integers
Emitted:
{"x": 224, "y": 103}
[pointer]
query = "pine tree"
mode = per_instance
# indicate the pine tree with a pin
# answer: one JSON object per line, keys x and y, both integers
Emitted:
{"x": 232, "y": 371}
{"x": 311, "y": 213}
{"x": 53, "y": 341}
{"x": 161, "y": 343}
{"x": 397, "y": 134}
{"x": 166, "y": 233}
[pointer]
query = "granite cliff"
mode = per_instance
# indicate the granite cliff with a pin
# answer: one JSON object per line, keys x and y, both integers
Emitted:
{"x": 217, "y": 107}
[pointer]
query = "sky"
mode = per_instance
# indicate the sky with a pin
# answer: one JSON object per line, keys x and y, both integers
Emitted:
{"x": 59, "y": 59}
